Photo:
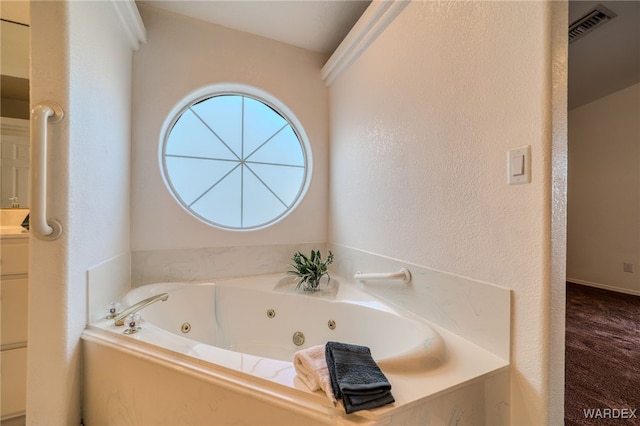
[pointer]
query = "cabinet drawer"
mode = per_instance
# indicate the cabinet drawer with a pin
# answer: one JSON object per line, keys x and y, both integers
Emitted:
{"x": 14, "y": 256}
{"x": 13, "y": 320}
{"x": 14, "y": 381}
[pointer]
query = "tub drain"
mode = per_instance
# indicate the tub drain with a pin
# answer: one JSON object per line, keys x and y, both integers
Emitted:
{"x": 186, "y": 327}
{"x": 331, "y": 324}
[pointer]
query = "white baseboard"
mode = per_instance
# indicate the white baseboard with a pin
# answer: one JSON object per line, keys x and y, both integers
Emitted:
{"x": 604, "y": 286}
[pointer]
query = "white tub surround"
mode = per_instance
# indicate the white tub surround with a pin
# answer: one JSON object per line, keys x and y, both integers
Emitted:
{"x": 106, "y": 282}
{"x": 474, "y": 310}
{"x": 470, "y": 381}
{"x": 191, "y": 264}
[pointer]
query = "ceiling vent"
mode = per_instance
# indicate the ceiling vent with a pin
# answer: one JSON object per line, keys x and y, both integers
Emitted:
{"x": 595, "y": 18}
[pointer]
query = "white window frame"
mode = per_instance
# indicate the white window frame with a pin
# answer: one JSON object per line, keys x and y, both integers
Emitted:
{"x": 250, "y": 92}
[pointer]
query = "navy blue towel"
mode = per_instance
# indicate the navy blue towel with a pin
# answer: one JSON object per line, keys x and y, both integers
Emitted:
{"x": 356, "y": 378}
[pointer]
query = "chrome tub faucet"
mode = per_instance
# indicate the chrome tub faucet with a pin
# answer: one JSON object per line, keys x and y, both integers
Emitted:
{"x": 120, "y": 317}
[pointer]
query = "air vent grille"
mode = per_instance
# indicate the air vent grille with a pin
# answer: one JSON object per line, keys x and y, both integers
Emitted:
{"x": 596, "y": 17}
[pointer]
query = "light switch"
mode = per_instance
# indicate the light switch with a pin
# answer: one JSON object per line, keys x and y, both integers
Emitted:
{"x": 519, "y": 165}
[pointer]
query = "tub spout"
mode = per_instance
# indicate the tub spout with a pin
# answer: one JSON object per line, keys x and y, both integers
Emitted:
{"x": 119, "y": 319}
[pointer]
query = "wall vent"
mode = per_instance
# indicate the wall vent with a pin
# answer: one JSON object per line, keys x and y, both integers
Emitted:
{"x": 595, "y": 18}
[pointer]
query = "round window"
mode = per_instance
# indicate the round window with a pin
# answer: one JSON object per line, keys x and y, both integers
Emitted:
{"x": 236, "y": 161}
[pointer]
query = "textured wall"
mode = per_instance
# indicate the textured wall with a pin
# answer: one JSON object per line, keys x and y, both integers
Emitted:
{"x": 604, "y": 191}
{"x": 81, "y": 59}
{"x": 183, "y": 55}
{"x": 420, "y": 127}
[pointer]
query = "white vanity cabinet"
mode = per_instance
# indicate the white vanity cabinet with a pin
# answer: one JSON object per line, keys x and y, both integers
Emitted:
{"x": 14, "y": 283}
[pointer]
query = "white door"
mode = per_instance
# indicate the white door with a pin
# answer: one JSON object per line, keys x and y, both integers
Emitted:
{"x": 14, "y": 163}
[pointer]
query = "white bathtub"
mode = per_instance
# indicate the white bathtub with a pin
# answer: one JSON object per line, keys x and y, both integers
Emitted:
{"x": 260, "y": 315}
{"x": 239, "y": 349}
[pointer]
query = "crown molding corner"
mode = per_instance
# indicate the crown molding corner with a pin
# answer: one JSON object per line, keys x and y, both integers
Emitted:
{"x": 131, "y": 22}
{"x": 373, "y": 21}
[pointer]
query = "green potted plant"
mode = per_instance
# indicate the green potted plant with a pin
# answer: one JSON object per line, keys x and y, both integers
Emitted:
{"x": 310, "y": 269}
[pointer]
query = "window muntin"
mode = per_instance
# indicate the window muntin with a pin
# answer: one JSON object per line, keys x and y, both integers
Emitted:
{"x": 236, "y": 161}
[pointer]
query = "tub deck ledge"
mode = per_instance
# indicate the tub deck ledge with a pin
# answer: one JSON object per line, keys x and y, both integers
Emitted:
{"x": 276, "y": 380}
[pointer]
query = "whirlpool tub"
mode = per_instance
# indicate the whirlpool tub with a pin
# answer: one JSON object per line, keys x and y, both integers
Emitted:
{"x": 221, "y": 353}
{"x": 266, "y": 317}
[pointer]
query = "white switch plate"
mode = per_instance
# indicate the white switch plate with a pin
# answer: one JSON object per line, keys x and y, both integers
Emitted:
{"x": 519, "y": 165}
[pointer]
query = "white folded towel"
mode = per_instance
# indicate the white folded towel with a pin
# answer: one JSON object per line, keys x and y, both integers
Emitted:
{"x": 311, "y": 366}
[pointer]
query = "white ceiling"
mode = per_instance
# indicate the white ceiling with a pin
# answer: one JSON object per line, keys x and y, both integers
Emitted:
{"x": 599, "y": 63}
{"x": 318, "y": 25}
{"x": 608, "y": 59}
